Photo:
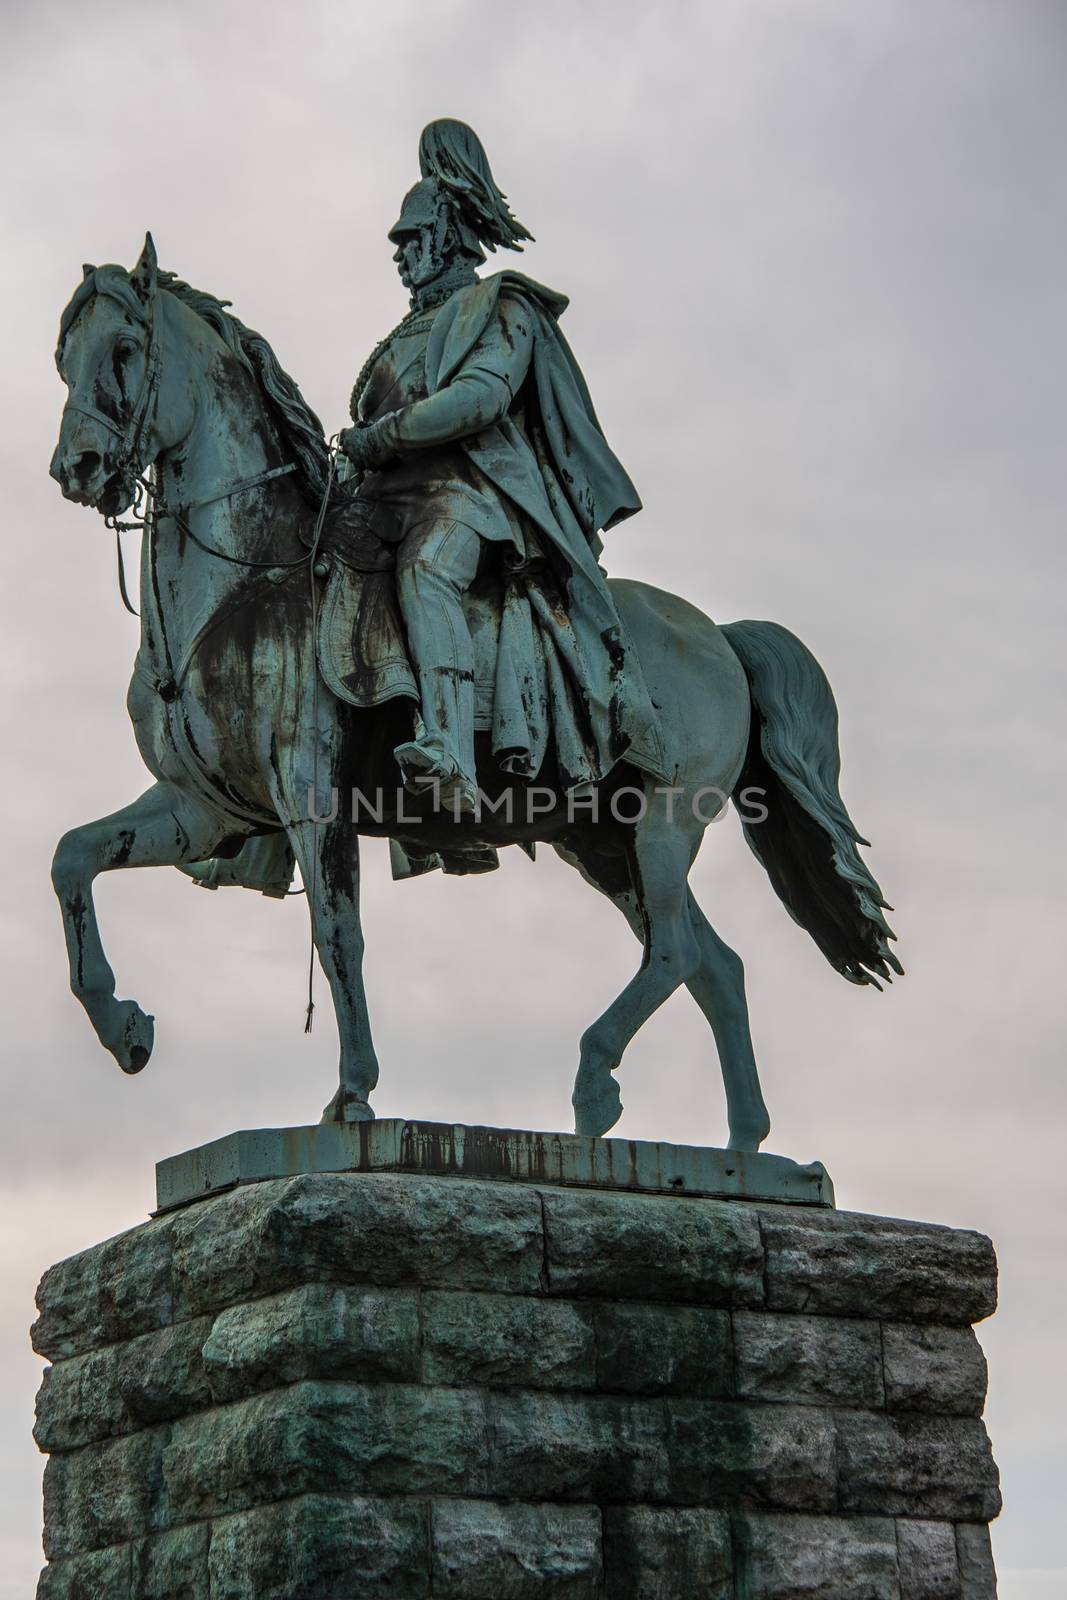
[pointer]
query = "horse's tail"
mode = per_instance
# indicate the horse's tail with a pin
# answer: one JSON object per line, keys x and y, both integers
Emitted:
{"x": 806, "y": 840}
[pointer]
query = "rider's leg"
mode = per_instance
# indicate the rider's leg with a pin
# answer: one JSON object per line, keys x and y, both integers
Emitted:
{"x": 436, "y": 564}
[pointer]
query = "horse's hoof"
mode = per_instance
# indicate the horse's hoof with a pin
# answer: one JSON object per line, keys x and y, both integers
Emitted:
{"x": 595, "y": 1113}
{"x": 347, "y": 1107}
{"x": 134, "y": 1045}
{"x": 750, "y": 1138}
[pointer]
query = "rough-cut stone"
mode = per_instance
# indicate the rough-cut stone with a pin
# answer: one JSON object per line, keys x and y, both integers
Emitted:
{"x": 499, "y": 1340}
{"x": 814, "y": 1558}
{"x": 810, "y": 1360}
{"x": 101, "y": 1575}
{"x": 322, "y": 1547}
{"x": 670, "y": 1554}
{"x": 314, "y": 1438}
{"x": 172, "y": 1566}
{"x": 483, "y": 1551}
{"x": 121, "y": 1388}
{"x": 79, "y": 1403}
{"x": 974, "y": 1552}
{"x": 643, "y": 1349}
{"x": 577, "y": 1447}
{"x": 933, "y": 1369}
{"x": 631, "y": 1247}
{"x": 917, "y": 1466}
{"x": 113, "y": 1291}
{"x": 745, "y": 1454}
{"x": 926, "y": 1557}
{"x": 391, "y": 1386}
{"x": 319, "y": 1331}
{"x": 370, "y": 1228}
{"x": 837, "y": 1262}
{"x": 105, "y": 1494}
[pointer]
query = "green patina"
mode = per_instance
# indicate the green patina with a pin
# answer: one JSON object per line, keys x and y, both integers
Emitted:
{"x": 430, "y": 626}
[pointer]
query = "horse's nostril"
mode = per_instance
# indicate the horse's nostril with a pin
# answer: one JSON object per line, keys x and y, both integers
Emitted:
{"x": 86, "y": 465}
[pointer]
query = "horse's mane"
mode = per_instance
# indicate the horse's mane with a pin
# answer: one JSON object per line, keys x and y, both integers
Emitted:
{"x": 300, "y": 428}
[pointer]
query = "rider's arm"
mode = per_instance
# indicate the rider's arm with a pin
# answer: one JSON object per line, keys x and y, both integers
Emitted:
{"x": 478, "y": 396}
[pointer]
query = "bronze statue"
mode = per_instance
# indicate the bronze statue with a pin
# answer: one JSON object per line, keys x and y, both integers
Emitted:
{"x": 425, "y": 647}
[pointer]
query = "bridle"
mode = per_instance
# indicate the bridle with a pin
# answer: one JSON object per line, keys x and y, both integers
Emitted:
{"x": 147, "y": 503}
{"x": 133, "y": 433}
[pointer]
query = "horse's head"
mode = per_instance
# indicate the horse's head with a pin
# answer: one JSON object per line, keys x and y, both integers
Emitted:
{"x": 108, "y": 357}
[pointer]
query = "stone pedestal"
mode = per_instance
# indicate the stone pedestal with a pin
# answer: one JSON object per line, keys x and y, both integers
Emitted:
{"x": 390, "y": 1385}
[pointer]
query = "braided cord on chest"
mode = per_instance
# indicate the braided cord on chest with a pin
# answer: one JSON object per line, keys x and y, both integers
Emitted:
{"x": 408, "y": 326}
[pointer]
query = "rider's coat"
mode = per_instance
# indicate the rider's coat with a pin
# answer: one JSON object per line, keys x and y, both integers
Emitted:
{"x": 491, "y": 424}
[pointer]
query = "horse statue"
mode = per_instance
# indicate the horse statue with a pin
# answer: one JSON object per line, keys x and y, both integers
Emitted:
{"x": 174, "y": 405}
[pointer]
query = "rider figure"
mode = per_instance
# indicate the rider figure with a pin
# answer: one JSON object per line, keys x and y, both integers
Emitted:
{"x": 474, "y": 429}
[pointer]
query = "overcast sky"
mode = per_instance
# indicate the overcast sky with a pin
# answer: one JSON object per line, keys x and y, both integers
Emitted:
{"x": 815, "y": 250}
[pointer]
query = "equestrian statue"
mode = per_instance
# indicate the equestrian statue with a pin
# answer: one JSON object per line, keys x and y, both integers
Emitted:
{"x": 410, "y": 635}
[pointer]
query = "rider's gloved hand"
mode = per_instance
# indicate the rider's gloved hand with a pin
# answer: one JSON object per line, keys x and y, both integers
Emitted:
{"x": 364, "y": 445}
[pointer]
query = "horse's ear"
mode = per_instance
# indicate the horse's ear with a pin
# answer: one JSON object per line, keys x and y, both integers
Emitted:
{"x": 144, "y": 275}
{"x": 87, "y": 270}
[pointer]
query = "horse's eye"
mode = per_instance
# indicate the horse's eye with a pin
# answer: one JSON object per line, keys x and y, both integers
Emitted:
{"x": 125, "y": 346}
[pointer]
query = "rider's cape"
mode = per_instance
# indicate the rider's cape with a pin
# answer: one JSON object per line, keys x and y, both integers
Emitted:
{"x": 588, "y": 483}
{"x": 555, "y": 664}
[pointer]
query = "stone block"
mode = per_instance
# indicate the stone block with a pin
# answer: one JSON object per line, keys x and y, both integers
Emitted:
{"x": 667, "y": 1554}
{"x": 815, "y": 1558}
{"x": 105, "y": 1494}
{"x": 933, "y": 1369}
{"x": 100, "y": 1575}
{"x": 731, "y": 1453}
{"x": 318, "y": 1331}
{"x": 648, "y": 1349}
{"x": 122, "y": 1388}
{"x": 386, "y": 1230}
{"x": 841, "y": 1263}
{"x": 926, "y": 1557}
{"x": 322, "y": 1547}
{"x": 974, "y": 1552}
{"x": 809, "y": 1360}
{"x": 916, "y": 1466}
{"x": 326, "y": 1437}
{"x": 499, "y": 1339}
{"x": 79, "y": 1403}
{"x": 576, "y": 1447}
{"x": 631, "y": 1247}
{"x": 487, "y": 1551}
{"x": 113, "y": 1291}
{"x": 172, "y": 1566}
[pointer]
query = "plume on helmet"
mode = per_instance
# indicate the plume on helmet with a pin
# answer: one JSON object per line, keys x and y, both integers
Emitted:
{"x": 452, "y": 153}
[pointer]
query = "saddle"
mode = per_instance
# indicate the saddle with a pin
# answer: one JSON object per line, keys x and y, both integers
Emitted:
{"x": 524, "y": 651}
{"x": 361, "y": 646}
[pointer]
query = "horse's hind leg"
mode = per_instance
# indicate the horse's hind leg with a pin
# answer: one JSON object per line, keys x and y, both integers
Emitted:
{"x": 718, "y": 987}
{"x": 661, "y": 857}
{"x": 163, "y": 828}
{"x": 328, "y": 854}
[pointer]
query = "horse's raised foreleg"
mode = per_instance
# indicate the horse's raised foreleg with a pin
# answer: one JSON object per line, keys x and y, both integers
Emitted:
{"x": 329, "y": 865}
{"x": 660, "y": 864}
{"x": 162, "y": 828}
{"x": 718, "y": 987}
